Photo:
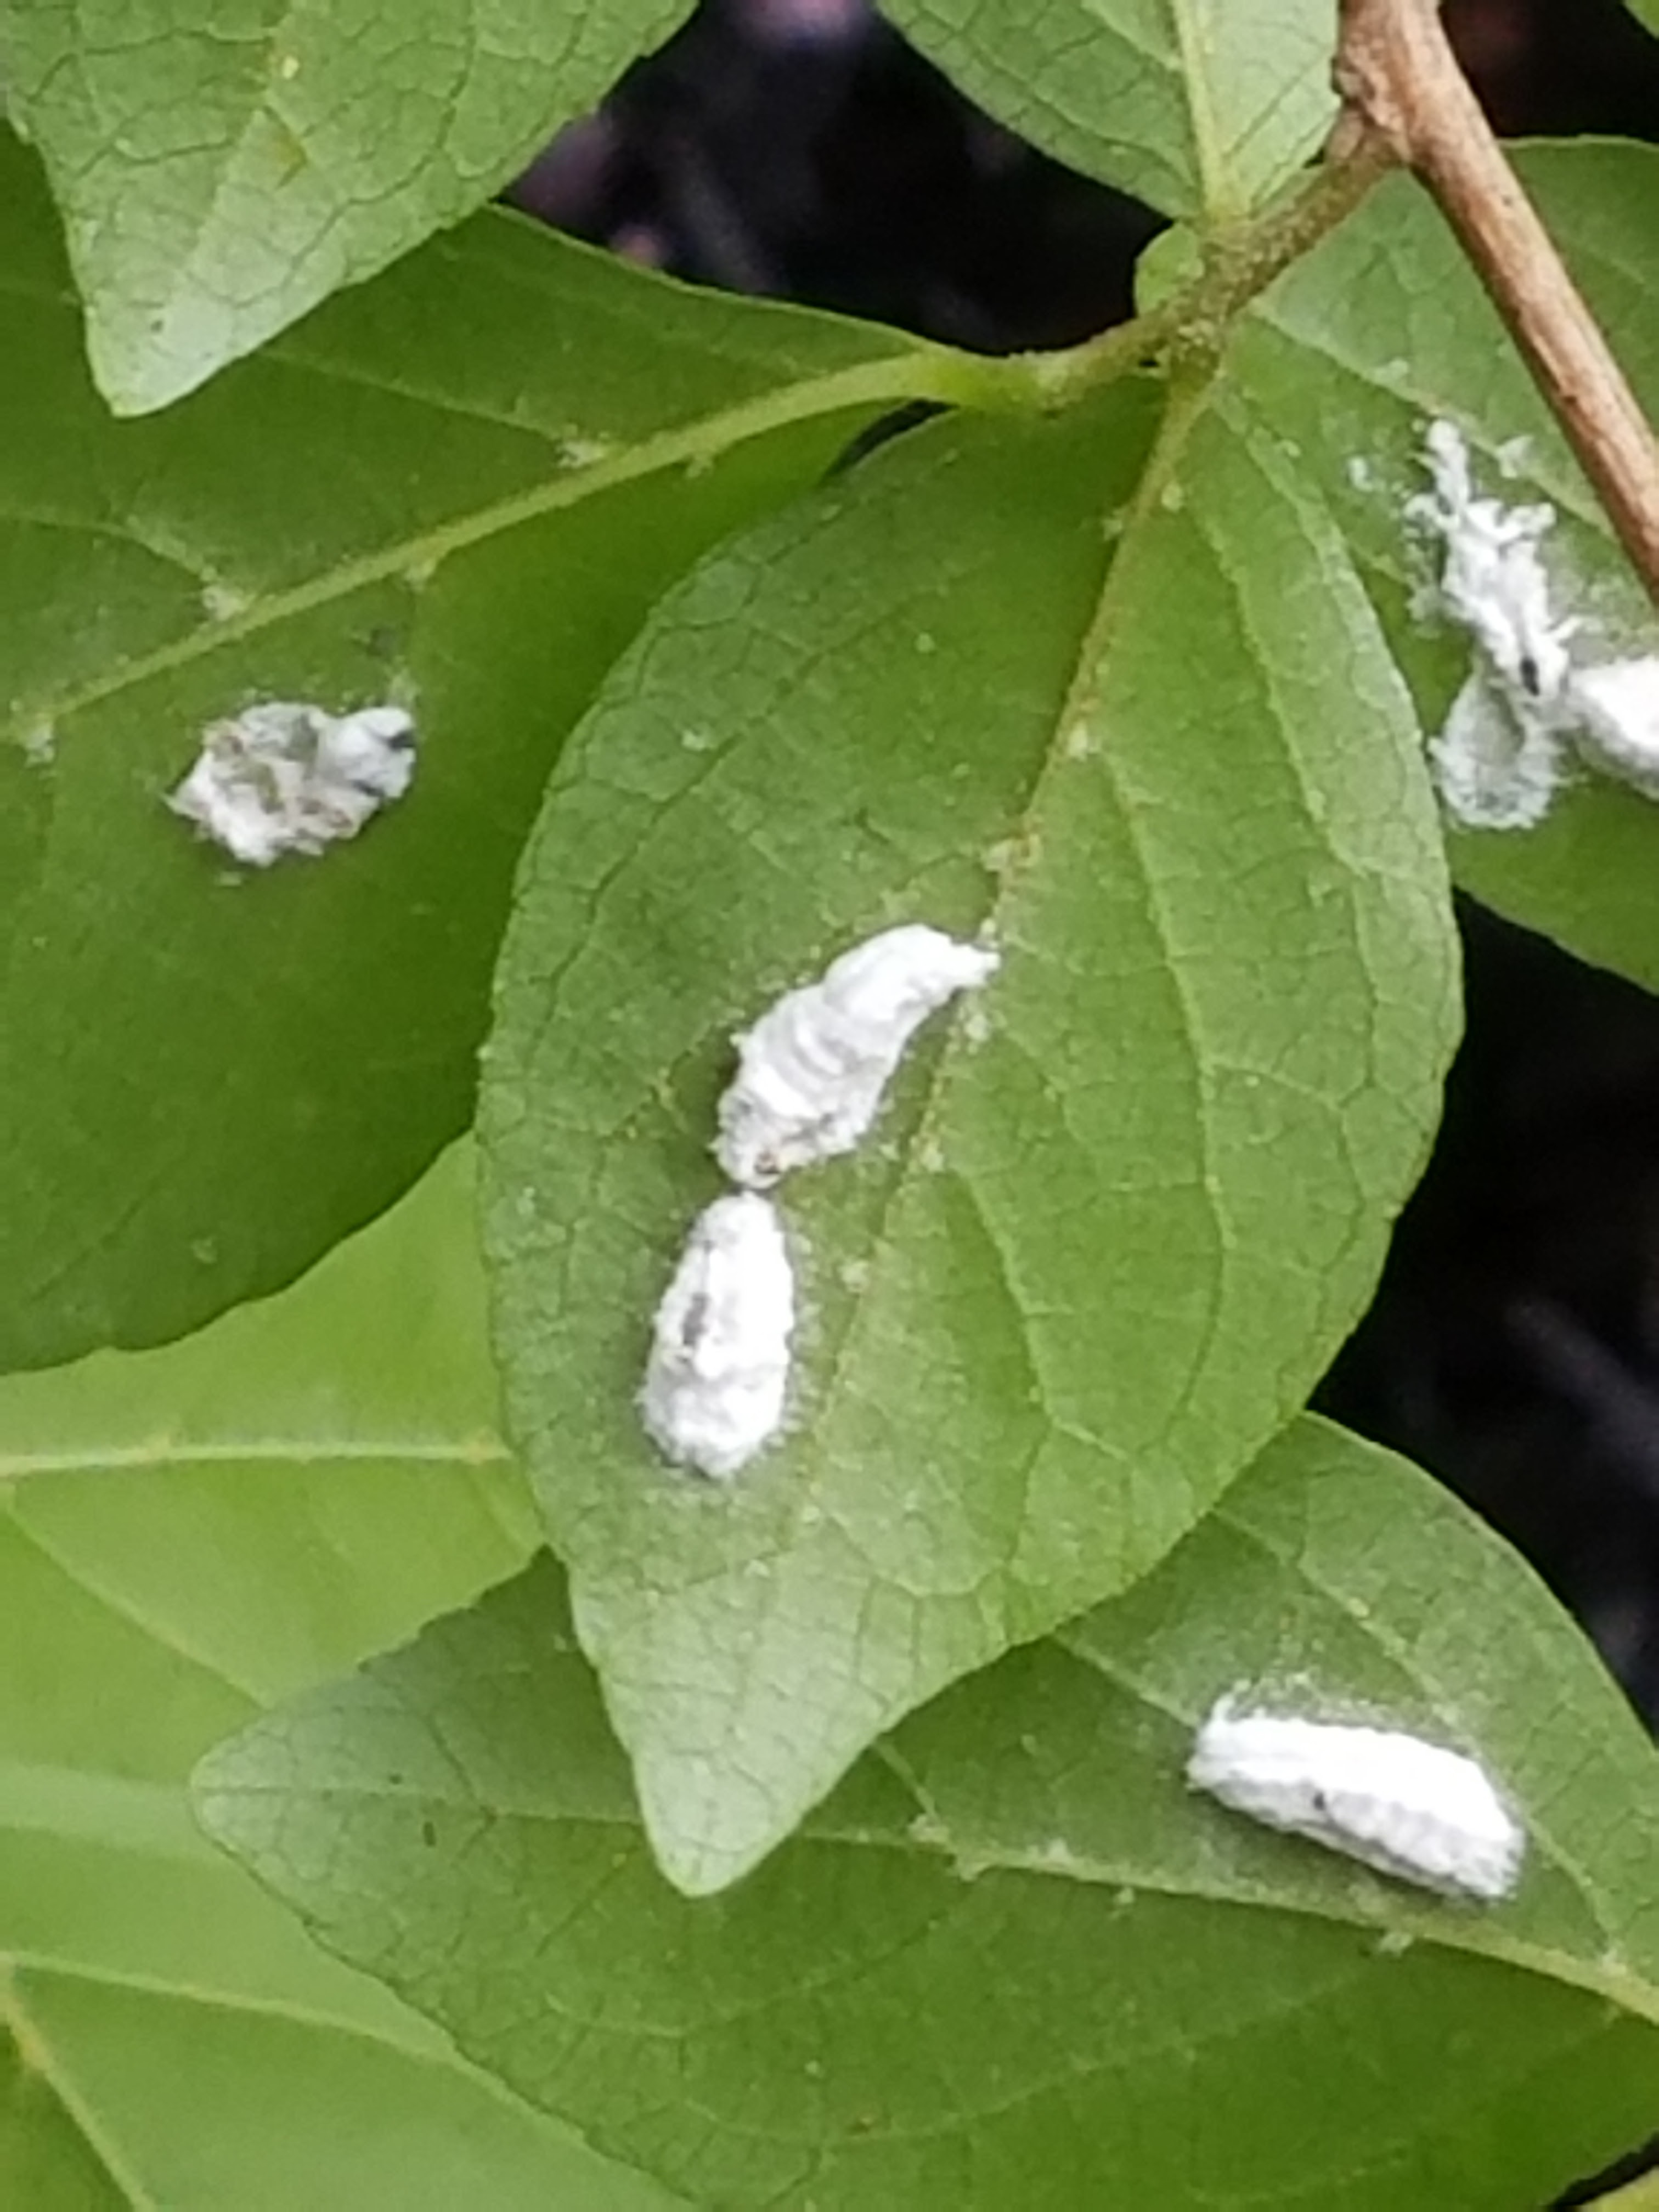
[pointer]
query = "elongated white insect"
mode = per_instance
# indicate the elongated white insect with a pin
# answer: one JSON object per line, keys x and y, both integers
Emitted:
{"x": 719, "y": 1369}
{"x": 813, "y": 1071}
{"x": 284, "y": 776}
{"x": 1407, "y": 1808}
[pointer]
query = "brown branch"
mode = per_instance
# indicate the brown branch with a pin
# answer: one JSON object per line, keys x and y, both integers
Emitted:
{"x": 1401, "y": 83}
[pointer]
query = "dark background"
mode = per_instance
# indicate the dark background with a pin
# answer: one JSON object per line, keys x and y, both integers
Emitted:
{"x": 798, "y": 147}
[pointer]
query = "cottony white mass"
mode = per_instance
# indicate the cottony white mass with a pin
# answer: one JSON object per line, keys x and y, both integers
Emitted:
{"x": 1496, "y": 767}
{"x": 1616, "y": 708}
{"x": 285, "y": 776}
{"x": 1407, "y": 1808}
{"x": 1526, "y": 711}
{"x": 1499, "y": 758}
{"x": 813, "y": 1071}
{"x": 1493, "y": 582}
{"x": 715, "y": 1381}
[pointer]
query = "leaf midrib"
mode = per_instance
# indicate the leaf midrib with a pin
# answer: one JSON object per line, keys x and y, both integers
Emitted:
{"x": 486, "y": 1449}
{"x": 40, "y": 2058}
{"x": 1201, "y": 109}
{"x": 1423, "y": 1922}
{"x": 936, "y": 374}
{"x": 1182, "y": 407}
{"x": 1630, "y": 1994}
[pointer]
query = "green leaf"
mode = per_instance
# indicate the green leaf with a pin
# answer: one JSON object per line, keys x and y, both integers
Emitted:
{"x": 1386, "y": 325}
{"x": 305, "y": 1481}
{"x": 1201, "y": 107}
{"x": 1112, "y": 1227}
{"x": 1646, "y": 11}
{"x": 218, "y": 176}
{"x": 1174, "y": 258}
{"x": 185, "y": 1534}
{"x": 463, "y": 486}
{"x": 1013, "y": 1961}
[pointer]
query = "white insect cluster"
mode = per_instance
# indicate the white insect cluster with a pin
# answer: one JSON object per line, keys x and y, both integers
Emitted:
{"x": 1407, "y": 1808}
{"x": 284, "y": 776}
{"x": 718, "y": 1367}
{"x": 1525, "y": 709}
{"x": 811, "y": 1076}
{"x": 812, "y": 1071}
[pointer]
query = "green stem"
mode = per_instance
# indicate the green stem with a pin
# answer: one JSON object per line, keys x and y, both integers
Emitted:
{"x": 1239, "y": 264}
{"x": 1189, "y": 327}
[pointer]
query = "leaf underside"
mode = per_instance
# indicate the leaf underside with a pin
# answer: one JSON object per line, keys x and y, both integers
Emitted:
{"x": 1112, "y": 1222}
{"x": 1013, "y": 1960}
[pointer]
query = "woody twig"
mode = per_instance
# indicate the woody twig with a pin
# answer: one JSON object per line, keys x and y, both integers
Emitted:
{"x": 1401, "y": 85}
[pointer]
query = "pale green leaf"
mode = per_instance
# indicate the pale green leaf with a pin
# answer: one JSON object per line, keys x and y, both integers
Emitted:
{"x": 1386, "y": 325}
{"x": 221, "y": 172}
{"x": 1201, "y": 107}
{"x": 1115, "y": 1221}
{"x": 1646, "y": 11}
{"x": 462, "y": 485}
{"x": 1640, "y": 2196}
{"x": 302, "y": 1482}
{"x": 1013, "y": 1961}
{"x": 184, "y": 1534}
{"x": 1173, "y": 260}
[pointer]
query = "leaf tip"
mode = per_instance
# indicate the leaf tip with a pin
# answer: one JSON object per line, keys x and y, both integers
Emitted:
{"x": 705, "y": 1831}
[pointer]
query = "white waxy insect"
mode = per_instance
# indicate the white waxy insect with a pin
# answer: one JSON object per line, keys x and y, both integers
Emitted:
{"x": 1493, "y": 582}
{"x": 719, "y": 1369}
{"x": 1616, "y": 719}
{"x": 1525, "y": 711}
{"x": 1499, "y": 758}
{"x": 284, "y": 776}
{"x": 1409, "y": 1808}
{"x": 1496, "y": 768}
{"x": 813, "y": 1071}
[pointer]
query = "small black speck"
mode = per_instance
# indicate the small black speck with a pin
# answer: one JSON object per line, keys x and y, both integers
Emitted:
{"x": 428, "y": 1834}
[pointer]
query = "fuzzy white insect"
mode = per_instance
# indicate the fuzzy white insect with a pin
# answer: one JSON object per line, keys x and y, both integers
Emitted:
{"x": 1500, "y": 756}
{"x": 285, "y": 776}
{"x": 1407, "y": 1808}
{"x": 1616, "y": 715}
{"x": 1497, "y": 767}
{"x": 813, "y": 1071}
{"x": 719, "y": 1369}
{"x": 1493, "y": 582}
